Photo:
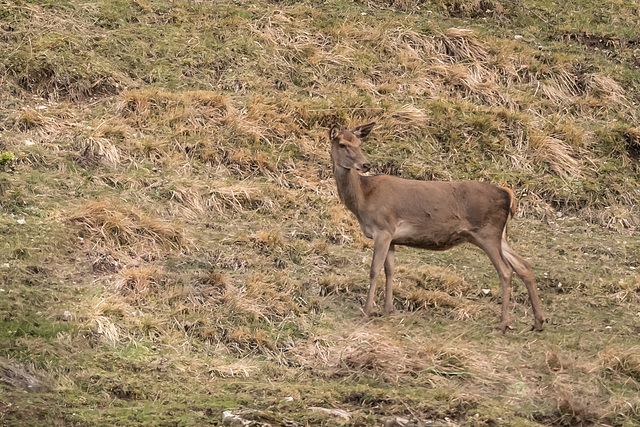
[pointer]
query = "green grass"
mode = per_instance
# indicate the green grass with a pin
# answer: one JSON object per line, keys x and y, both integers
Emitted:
{"x": 165, "y": 179}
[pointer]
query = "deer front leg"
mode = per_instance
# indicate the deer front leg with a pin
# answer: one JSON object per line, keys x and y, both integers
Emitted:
{"x": 388, "y": 271}
{"x": 381, "y": 242}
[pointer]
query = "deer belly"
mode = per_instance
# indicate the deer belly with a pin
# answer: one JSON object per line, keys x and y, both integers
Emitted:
{"x": 432, "y": 238}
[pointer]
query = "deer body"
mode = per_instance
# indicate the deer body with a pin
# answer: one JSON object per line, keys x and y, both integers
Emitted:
{"x": 430, "y": 215}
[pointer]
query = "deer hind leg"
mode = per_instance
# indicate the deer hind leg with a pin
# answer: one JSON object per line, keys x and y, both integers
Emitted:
{"x": 525, "y": 272}
{"x": 505, "y": 273}
{"x": 492, "y": 247}
{"x": 389, "y": 263}
{"x": 381, "y": 243}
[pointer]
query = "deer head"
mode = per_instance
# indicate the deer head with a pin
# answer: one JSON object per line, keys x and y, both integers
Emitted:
{"x": 345, "y": 148}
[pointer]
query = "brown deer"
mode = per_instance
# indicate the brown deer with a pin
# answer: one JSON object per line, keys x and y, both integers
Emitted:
{"x": 431, "y": 215}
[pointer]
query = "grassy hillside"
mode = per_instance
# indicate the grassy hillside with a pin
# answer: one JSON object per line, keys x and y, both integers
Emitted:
{"x": 173, "y": 247}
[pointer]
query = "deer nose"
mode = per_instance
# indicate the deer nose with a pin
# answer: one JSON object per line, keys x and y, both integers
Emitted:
{"x": 366, "y": 167}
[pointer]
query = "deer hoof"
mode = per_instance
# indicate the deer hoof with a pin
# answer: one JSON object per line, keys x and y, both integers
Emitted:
{"x": 538, "y": 326}
{"x": 504, "y": 326}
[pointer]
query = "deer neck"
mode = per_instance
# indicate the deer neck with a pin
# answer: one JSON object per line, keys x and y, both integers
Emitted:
{"x": 349, "y": 188}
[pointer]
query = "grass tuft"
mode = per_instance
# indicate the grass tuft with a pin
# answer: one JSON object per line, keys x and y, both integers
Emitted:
{"x": 625, "y": 362}
{"x": 116, "y": 224}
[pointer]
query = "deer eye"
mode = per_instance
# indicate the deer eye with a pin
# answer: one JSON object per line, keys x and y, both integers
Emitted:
{"x": 341, "y": 145}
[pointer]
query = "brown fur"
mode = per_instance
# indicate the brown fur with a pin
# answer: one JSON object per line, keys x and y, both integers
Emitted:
{"x": 513, "y": 204}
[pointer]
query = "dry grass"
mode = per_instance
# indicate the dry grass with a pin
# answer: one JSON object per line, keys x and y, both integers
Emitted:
{"x": 100, "y": 324}
{"x": 214, "y": 254}
{"x": 366, "y": 351}
{"x": 608, "y": 89}
{"x": 406, "y": 122}
{"x": 460, "y": 45}
{"x": 557, "y": 154}
{"x": 139, "y": 284}
{"x": 94, "y": 150}
{"x": 623, "y": 362}
{"x": 116, "y": 224}
{"x": 384, "y": 353}
{"x": 234, "y": 370}
{"x": 139, "y": 105}
{"x": 196, "y": 201}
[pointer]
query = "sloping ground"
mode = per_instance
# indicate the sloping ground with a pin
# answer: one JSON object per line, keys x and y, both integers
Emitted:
{"x": 173, "y": 246}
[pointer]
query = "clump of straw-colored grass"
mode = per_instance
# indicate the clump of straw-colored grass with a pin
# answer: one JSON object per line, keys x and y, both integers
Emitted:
{"x": 118, "y": 224}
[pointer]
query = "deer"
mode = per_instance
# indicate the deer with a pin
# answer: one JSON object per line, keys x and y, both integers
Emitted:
{"x": 432, "y": 215}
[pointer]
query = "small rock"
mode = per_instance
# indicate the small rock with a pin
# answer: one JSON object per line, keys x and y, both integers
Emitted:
{"x": 22, "y": 221}
{"x": 66, "y": 316}
{"x": 396, "y": 422}
{"x": 517, "y": 37}
{"x": 20, "y": 376}
{"x": 231, "y": 419}
{"x": 237, "y": 420}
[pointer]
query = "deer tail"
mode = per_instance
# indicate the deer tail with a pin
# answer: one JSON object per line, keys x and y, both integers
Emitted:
{"x": 513, "y": 205}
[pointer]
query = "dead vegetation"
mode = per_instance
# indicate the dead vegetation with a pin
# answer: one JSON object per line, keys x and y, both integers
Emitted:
{"x": 171, "y": 230}
{"x": 379, "y": 353}
{"x": 115, "y": 224}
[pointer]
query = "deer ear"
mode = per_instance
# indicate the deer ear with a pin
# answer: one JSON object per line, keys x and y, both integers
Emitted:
{"x": 333, "y": 133}
{"x": 363, "y": 131}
